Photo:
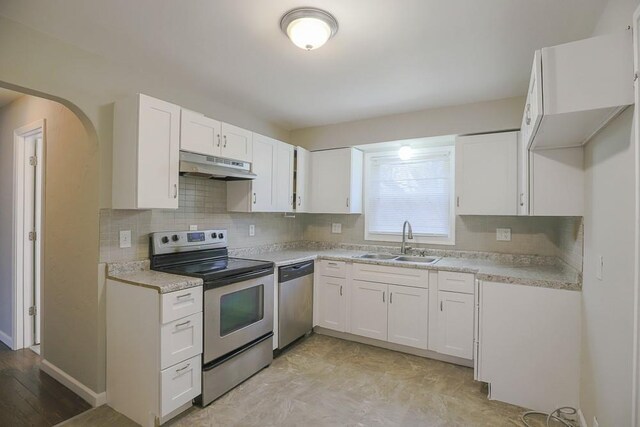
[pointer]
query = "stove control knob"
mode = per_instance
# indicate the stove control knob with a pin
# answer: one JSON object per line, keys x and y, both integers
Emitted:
{"x": 214, "y": 235}
{"x": 175, "y": 237}
{"x": 164, "y": 239}
{"x": 220, "y": 235}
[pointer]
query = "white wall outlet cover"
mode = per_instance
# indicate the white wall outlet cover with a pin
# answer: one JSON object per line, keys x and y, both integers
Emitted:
{"x": 193, "y": 227}
{"x": 503, "y": 234}
{"x": 252, "y": 230}
{"x": 125, "y": 238}
{"x": 336, "y": 228}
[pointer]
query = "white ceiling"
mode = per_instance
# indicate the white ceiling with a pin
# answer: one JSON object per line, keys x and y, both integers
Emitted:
{"x": 7, "y": 96}
{"x": 389, "y": 56}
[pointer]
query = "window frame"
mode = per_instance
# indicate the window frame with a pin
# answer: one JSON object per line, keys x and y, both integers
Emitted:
{"x": 449, "y": 240}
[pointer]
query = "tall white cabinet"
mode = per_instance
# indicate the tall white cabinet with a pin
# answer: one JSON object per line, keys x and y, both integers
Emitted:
{"x": 336, "y": 181}
{"x": 302, "y": 180}
{"x": 146, "y": 150}
{"x": 272, "y": 189}
{"x": 487, "y": 174}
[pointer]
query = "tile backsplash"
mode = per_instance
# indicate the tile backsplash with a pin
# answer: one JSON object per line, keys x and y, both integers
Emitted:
{"x": 203, "y": 203}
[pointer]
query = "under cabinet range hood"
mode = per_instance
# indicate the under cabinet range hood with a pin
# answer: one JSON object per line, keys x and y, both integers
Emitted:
{"x": 192, "y": 164}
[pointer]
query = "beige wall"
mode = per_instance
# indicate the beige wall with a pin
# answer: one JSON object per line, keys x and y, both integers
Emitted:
{"x": 70, "y": 336}
{"x": 480, "y": 117}
{"x": 609, "y": 226}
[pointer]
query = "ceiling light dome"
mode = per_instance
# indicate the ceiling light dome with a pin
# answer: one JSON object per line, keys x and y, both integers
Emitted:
{"x": 309, "y": 28}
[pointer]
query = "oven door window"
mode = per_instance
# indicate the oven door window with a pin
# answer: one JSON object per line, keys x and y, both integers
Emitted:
{"x": 241, "y": 309}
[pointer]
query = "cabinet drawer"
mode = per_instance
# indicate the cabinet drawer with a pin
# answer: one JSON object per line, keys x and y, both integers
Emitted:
{"x": 456, "y": 282}
{"x": 333, "y": 268}
{"x": 180, "y": 384}
{"x": 418, "y": 278}
{"x": 180, "y": 340}
{"x": 179, "y": 304}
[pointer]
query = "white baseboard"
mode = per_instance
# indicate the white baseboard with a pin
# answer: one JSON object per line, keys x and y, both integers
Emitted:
{"x": 93, "y": 398}
{"x": 581, "y": 420}
{"x": 7, "y": 340}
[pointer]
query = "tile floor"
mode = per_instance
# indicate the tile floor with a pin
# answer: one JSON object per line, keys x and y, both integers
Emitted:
{"x": 325, "y": 381}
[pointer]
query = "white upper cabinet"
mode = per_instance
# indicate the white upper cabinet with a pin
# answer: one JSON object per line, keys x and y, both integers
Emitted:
{"x": 237, "y": 143}
{"x": 302, "y": 180}
{"x": 487, "y": 174}
{"x": 203, "y": 135}
{"x": 146, "y": 150}
{"x": 584, "y": 84}
{"x": 336, "y": 181}
{"x": 523, "y": 176}
{"x": 199, "y": 134}
{"x": 272, "y": 189}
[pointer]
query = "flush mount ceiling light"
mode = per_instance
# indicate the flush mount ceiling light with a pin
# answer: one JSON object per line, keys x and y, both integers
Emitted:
{"x": 405, "y": 152}
{"x": 308, "y": 28}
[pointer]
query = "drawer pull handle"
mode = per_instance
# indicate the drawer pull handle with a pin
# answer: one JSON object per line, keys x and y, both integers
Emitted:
{"x": 179, "y": 325}
{"x": 183, "y": 296}
{"x": 440, "y": 305}
{"x": 391, "y": 298}
{"x": 183, "y": 368}
{"x": 340, "y": 290}
{"x": 383, "y": 296}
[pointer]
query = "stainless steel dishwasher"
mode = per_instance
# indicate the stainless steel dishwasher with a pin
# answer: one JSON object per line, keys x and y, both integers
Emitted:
{"x": 295, "y": 302}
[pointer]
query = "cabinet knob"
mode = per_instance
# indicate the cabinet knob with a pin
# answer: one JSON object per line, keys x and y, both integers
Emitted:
{"x": 225, "y": 141}
{"x": 175, "y": 191}
{"x": 528, "y": 115}
{"x": 254, "y": 198}
{"x": 347, "y": 202}
{"x": 299, "y": 201}
{"x": 218, "y": 140}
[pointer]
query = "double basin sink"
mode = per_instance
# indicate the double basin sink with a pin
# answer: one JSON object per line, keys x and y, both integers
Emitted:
{"x": 401, "y": 258}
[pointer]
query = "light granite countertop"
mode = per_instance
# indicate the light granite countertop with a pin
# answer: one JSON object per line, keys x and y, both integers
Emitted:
{"x": 137, "y": 273}
{"x": 529, "y": 271}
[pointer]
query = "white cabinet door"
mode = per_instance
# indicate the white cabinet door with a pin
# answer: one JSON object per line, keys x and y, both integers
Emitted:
{"x": 180, "y": 384}
{"x": 408, "y": 316}
{"x": 284, "y": 177}
{"x": 368, "y": 312}
{"x": 336, "y": 181}
{"x": 263, "y": 197}
{"x": 303, "y": 166}
{"x": 332, "y": 305}
{"x": 533, "y": 107}
{"x": 180, "y": 340}
{"x": 487, "y": 174}
{"x": 158, "y": 154}
{"x": 237, "y": 143}
{"x": 199, "y": 134}
{"x": 455, "y": 324}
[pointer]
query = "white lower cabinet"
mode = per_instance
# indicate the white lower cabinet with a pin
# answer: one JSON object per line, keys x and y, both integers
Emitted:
{"x": 332, "y": 305}
{"x": 455, "y": 324}
{"x": 154, "y": 351}
{"x": 408, "y": 316}
{"x": 369, "y": 309}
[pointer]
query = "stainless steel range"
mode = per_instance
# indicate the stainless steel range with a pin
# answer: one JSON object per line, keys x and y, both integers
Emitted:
{"x": 238, "y": 305}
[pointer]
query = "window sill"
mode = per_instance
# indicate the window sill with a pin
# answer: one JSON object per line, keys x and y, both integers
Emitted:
{"x": 421, "y": 240}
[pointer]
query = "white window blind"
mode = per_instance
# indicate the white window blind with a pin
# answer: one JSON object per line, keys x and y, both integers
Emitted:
{"x": 418, "y": 190}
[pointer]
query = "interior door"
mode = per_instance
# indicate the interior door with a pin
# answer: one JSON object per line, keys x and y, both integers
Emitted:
{"x": 409, "y": 316}
{"x": 237, "y": 143}
{"x": 199, "y": 134}
{"x": 455, "y": 324}
{"x": 31, "y": 326}
{"x": 369, "y": 309}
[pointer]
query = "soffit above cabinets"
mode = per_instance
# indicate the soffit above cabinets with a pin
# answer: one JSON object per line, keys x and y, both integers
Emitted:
{"x": 388, "y": 57}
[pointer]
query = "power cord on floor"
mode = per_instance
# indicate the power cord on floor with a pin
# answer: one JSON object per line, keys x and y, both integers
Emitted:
{"x": 561, "y": 417}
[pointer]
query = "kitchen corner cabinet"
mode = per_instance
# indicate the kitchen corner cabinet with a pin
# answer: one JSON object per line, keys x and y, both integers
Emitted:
{"x": 203, "y": 135}
{"x": 556, "y": 182}
{"x": 302, "y": 180}
{"x": 272, "y": 189}
{"x": 487, "y": 174}
{"x": 336, "y": 181}
{"x": 146, "y": 150}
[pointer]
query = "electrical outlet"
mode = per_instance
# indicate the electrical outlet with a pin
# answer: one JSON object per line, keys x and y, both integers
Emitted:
{"x": 193, "y": 227}
{"x": 595, "y": 422}
{"x": 503, "y": 234}
{"x": 599, "y": 267}
{"x": 336, "y": 228}
{"x": 125, "y": 238}
{"x": 252, "y": 230}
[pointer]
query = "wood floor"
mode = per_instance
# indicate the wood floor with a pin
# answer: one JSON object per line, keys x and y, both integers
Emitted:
{"x": 28, "y": 396}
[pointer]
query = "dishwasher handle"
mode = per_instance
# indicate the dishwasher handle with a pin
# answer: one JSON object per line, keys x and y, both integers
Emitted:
{"x": 295, "y": 271}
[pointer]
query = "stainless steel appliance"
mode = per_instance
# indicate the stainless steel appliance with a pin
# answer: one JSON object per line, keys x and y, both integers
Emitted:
{"x": 295, "y": 302}
{"x": 192, "y": 164}
{"x": 238, "y": 305}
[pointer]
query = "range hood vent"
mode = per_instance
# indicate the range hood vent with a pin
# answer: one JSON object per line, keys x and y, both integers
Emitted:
{"x": 200, "y": 165}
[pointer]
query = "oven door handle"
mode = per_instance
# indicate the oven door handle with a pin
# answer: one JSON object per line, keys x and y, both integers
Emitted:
{"x": 236, "y": 279}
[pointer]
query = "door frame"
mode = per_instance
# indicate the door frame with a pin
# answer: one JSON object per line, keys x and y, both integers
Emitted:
{"x": 635, "y": 402}
{"x": 19, "y": 136}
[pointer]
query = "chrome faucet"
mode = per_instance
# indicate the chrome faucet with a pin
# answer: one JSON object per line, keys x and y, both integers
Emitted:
{"x": 404, "y": 247}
